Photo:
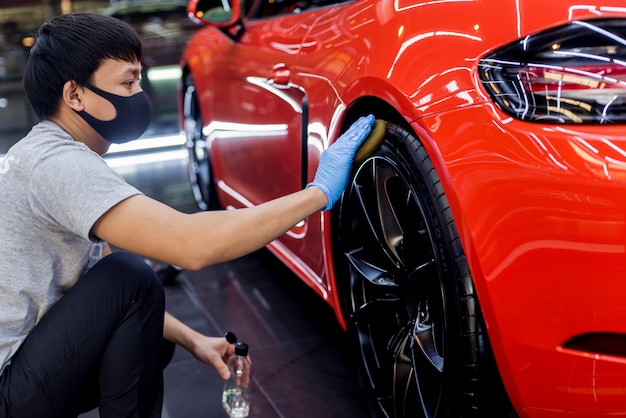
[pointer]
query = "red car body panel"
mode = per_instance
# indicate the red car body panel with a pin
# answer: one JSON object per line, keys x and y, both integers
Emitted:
{"x": 540, "y": 209}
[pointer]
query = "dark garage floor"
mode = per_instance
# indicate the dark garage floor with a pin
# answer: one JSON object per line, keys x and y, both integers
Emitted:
{"x": 302, "y": 367}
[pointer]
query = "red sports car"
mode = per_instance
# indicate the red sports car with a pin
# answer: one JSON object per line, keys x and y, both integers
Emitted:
{"x": 478, "y": 256}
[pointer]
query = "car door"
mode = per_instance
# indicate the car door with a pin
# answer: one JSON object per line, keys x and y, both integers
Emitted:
{"x": 261, "y": 142}
{"x": 257, "y": 127}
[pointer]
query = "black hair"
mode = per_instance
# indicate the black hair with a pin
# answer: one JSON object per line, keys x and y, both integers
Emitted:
{"x": 72, "y": 47}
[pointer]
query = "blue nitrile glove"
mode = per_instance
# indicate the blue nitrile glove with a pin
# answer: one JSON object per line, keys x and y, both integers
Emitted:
{"x": 332, "y": 173}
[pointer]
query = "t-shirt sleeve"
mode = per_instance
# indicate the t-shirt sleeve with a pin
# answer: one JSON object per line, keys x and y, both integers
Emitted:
{"x": 72, "y": 187}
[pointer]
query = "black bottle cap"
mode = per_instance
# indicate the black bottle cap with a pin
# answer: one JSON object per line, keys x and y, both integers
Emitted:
{"x": 230, "y": 337}
{"x": 241, "y": 349}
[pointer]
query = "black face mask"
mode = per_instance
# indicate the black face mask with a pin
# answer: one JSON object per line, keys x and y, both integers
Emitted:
{"x": 133, "y": 115}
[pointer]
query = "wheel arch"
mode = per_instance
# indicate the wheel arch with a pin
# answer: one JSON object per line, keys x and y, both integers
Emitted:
{"x": 408, "y": 118}
{"x": 385, "y": 101}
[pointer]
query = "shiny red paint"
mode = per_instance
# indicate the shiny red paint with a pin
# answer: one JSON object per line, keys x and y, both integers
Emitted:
{"x": 540, "y": 209}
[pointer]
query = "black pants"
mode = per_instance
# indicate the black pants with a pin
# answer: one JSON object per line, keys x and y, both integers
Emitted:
{"x": 100, "y": 345}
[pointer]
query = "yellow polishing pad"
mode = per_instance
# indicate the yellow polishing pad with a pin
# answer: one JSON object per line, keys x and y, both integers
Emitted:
{"x": 373, "y": 141}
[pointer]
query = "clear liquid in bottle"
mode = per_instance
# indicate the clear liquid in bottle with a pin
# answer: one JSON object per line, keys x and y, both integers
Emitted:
{"x": 236, "y": 395}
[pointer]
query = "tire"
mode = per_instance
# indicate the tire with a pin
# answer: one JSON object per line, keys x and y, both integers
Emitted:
{"x": 407, "y": 292}
{"x": 199, "y": 165}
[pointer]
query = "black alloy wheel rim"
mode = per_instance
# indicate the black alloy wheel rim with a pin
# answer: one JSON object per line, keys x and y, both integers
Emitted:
{"x": 196, "y": 142}
{"x": 396, "y": 297}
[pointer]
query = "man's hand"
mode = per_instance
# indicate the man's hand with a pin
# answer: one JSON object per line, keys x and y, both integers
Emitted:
{"x": 332, "y": 174}
{"x": 213, "y": 351}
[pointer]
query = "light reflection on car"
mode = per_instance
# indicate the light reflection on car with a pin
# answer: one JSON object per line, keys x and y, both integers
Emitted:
{"x": 477, "y": 258}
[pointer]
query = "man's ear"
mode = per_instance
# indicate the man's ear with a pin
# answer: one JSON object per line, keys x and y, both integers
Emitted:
{"x": 72, "y": 95}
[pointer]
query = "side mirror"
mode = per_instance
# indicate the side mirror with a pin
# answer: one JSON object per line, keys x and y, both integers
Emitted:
{"x": 220, "y": 13}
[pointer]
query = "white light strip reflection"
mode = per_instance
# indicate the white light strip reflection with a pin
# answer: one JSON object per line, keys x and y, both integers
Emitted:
{"x": 148, "y": 144}
{"x": 147, "y": 158}
{"x": 582, "y": 9}
{"x": 241, "y": 199}
{"x": 409, "y": 42}
{"x": 170, "y": 72}
{"x": 243, "y": 130}
{"x": 602, "y": 32}
{"x": 426, "y": 3}
{"x": 265, "y": 84}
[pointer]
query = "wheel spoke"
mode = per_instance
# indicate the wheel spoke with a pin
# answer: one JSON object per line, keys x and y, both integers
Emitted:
{"x": 399, "y": 348}
{"x": 392, "y": 231}
{"x": 372, "y": 273}
{"x": 426, "y": 297}
{"x": 427, "y": 356}
{"x": 381, "y": 209}
{"x": 371, "y": 310}
{"x": 404, "y": 386}
{"x": 426, "y": 345}
{"x": 418, "y": 243}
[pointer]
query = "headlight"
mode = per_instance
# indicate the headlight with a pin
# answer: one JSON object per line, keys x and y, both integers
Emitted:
{"x": 572, "y": 74}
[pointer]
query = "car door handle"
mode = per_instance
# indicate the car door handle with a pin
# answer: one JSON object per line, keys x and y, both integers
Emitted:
{"x": 280, "y": 74}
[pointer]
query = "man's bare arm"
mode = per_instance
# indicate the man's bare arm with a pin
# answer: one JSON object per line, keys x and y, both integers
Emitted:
{"x": 151, "y": 229}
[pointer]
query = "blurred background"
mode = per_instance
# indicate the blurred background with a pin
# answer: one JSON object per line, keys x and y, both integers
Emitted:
{"x": 162, "y": 24}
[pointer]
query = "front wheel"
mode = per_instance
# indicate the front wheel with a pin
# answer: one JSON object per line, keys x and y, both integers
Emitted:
{"x": 199, "y": 165}
{"x": 407, "y": 292}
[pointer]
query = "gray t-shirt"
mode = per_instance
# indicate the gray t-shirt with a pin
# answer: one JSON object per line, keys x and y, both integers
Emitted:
{"x": 53, "y": 190}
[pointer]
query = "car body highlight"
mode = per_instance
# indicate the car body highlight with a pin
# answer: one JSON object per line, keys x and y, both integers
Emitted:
{"x": 487, "y": 233}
